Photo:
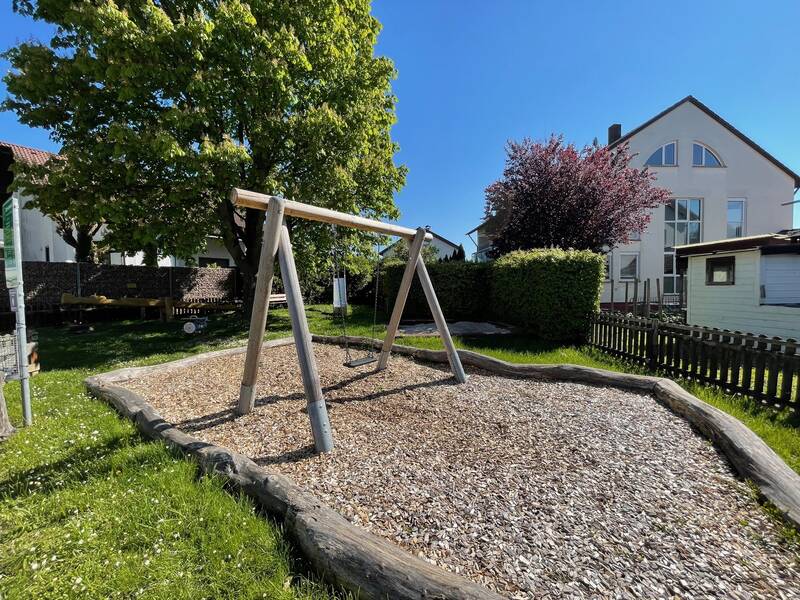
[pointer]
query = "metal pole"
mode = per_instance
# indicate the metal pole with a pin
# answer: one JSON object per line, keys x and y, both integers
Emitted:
{"x": 441, "y": 324}
{"x": 414, "y": 251}
{"x": 22, "y": 336}
{"x": 258, "y": 318}
{"x": 315, "y": 402}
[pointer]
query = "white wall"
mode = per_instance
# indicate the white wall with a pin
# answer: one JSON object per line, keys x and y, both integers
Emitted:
{"x": 443, "y": 249}
{"x": 780, "y": 279}
{"x": 39, "y": 234}
{"x": 745, "y": 174}
{"x": 737, "y": 307}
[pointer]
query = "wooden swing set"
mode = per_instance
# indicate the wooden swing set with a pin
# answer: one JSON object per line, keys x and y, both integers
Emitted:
{"x": 276, "y": 242}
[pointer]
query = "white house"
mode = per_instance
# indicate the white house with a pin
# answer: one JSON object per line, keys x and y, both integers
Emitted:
{"x": 749, "y": 284}
{"x": 723, "y": 185}
{"x": 40, "y": 239}
{"x": 444, "y": 247}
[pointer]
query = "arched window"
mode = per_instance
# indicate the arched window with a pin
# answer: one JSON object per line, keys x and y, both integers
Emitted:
{"x": 665, "y": 156}
{"x": 703, "y": 157}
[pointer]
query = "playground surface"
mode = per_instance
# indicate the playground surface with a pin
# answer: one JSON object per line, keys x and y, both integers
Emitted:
{"x": 535, "y": 489}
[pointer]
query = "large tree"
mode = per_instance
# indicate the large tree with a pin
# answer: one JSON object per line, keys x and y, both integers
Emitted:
{"x": 554, "y": 195}
{"x": 173, "y": 102}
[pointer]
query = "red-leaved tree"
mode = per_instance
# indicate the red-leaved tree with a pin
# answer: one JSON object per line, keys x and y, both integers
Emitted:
{"x": 554, "y": 195}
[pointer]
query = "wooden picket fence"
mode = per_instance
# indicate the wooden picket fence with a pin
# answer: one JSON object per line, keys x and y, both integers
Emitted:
{"x": 764, "y": 369}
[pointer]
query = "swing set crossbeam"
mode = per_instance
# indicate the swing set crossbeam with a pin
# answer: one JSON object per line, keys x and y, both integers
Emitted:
{"x": 248, "y": 199}
{"x": 276, "y": 244}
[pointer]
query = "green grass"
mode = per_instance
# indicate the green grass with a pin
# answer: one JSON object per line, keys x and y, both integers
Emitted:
{"x": 90, "y": 509}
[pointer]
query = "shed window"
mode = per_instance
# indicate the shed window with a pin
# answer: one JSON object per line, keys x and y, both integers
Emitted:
{"x": 720, "y": 270}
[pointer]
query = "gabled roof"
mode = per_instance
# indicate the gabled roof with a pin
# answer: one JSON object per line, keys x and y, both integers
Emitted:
{"x": 721, "y": 121}
{"x": 26, "y": 154}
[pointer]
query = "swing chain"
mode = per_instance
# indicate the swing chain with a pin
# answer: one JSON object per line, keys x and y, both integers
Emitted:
{"x": 339, "y": 270}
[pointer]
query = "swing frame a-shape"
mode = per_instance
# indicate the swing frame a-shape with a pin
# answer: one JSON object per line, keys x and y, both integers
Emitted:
{"x": 276, "y": 242}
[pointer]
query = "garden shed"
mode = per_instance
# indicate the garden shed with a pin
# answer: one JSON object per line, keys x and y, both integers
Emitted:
{"x": 749, "y": 284}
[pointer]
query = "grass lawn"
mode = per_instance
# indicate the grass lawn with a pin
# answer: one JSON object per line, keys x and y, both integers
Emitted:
{"x": 87, "y": 507}
{"x": 90, "y": 509}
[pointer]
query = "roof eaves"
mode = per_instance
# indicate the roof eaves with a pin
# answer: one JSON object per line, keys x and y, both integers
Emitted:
{"x": 719, "y": 120}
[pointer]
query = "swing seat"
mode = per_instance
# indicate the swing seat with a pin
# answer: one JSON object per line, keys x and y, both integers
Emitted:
{"x": 360, "y": 362}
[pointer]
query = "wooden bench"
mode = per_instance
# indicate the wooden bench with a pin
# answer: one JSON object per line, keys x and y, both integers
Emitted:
{"x": 277, "y": 299}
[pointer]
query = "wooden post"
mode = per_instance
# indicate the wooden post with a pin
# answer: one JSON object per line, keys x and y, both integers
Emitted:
{"x": 647, "y": 298}
{"x": 258, "y": 319}
{"x": 414, "y": 251}
{"x": 315, "y": 402}
{"x": 660, "y": 297}
{"x": 612, "y": 295}
{"x": 169, "y": 309}
{"x": 441, "y": 324}
{"x": 626, "y": 296}
{"x": 636, "y": 297}
{"x": 6, "y": 428}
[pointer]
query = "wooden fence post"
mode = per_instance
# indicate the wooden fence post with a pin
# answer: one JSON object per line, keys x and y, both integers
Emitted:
{"x": 787, "y": 377}
{"x": 626, "y": 296}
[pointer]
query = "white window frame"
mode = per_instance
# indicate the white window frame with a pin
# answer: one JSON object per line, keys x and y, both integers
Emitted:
{"x": 706, "y": 148}
{"x": 744, "y": 217}
{"x": 661, "y": 148}
{"x": 674, "y": 276}
{"x": 638, "y": 265}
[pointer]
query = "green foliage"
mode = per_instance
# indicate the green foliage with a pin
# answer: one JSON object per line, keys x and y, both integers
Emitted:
{"x": 461, "y": 287}
{"x": 552, "y": 292}
{"x": 164, "y": 106}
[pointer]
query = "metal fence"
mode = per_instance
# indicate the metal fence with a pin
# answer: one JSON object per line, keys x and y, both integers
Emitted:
{"x": 764, "y": 369}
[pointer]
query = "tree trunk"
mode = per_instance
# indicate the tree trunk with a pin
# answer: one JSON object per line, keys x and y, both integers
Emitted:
{"x": 6, "y": 429}
{"x": 151, "y": 256}
{"x": 83, "y": 245}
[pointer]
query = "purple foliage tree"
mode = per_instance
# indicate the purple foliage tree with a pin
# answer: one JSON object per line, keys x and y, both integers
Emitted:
{"x": 554, "y": 195}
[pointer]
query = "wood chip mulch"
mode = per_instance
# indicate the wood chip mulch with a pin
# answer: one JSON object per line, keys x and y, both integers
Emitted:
{"x": 535, "y": 489}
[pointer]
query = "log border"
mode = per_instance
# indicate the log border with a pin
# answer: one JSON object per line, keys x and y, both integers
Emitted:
{"x": 373, "y": 567}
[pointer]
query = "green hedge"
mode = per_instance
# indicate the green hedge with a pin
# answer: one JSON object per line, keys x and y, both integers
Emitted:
{"x": 461, "y": 287}
{"x": 552, "y": 293}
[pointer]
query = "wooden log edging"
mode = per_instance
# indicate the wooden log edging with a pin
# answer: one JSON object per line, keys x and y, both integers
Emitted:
{"x": 747, "y": 452}
{"x": 364, "y": 563}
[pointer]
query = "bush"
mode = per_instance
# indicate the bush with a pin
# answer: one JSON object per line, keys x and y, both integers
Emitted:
{"x": 552, "y": 293}
{"x": 461, "y": 287}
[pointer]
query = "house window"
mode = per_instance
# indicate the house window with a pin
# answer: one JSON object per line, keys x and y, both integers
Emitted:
{"x": 205, "y": 261}
{"x": 683, "y": 221}
{"x": 735, "y": 217}
{"x": 629, "y": 266}
{"x": 703, "y": 157}
{"x": 47, "y": 254}
{"x": 720, "y": 270}
{"x": 665, "y": 156}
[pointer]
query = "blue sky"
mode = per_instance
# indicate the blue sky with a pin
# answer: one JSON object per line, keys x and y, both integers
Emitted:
{"x": 473, "y": 74}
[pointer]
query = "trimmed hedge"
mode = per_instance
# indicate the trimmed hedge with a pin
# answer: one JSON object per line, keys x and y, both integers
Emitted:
{"x": 551, "y": 293}
{"x": 461, "y": 287}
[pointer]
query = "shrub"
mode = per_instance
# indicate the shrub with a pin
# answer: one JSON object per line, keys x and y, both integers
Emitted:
{"x": 553, "y": 293}
{"x": 461, "y": 287}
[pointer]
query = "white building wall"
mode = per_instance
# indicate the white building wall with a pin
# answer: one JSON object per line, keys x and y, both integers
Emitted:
{"x": 745, "y": 174}
{"x": 39, "y": 235}
{"x": 737, "y": 307}
{"x": 443, "y": 249}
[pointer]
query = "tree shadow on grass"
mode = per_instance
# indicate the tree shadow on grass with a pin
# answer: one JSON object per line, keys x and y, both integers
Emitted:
{"x": 61, "y": 474}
